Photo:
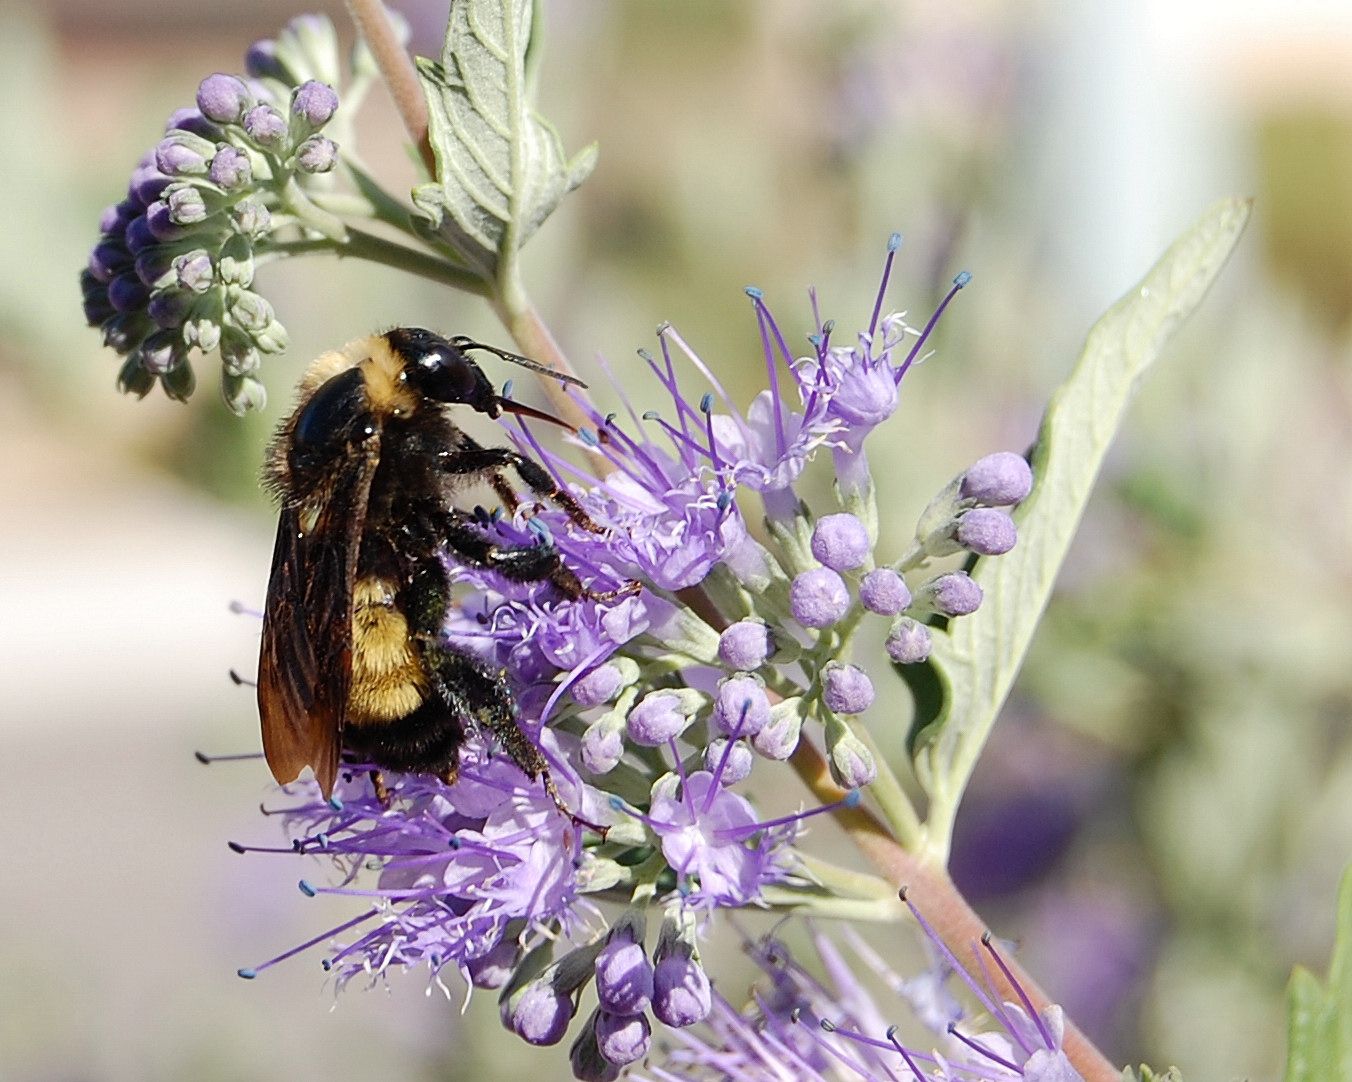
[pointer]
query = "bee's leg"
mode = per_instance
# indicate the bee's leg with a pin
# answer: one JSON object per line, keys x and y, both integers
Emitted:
{"x": 519, "y": 563}
{"x": 382, "y": 790}
{"x": 471, "y": 458}
{"x": 510, "y": 500}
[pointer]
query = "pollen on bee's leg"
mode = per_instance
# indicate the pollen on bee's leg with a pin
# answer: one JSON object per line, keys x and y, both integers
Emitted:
{"x": 450, "y": 775}
{"x": 382, "y": 791}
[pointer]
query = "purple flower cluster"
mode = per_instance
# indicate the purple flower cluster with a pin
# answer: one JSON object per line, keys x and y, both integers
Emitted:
{"x": 174, "y": 265}
{"x": 802, "y": 1027}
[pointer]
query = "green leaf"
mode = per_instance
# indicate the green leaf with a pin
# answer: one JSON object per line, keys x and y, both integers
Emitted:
{"x": 501, "y": 169}
{"x": 1146, "y": 1074}
{"x": 1319, "y": 1019}
{"x": 978, "y": 656}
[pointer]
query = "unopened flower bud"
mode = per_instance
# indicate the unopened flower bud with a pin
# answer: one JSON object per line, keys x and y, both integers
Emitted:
{"x": 127, "y": 293}
{"x": 313, "y": 103}
{"x": 194, "y": 270}
{"x": 251, "y": 218}
{"x": 203, "y": 332}
{"x": 733, "y": 756}
{"x": 622, "y": 1038}
{"x": 540, "y": 1013}
{"x": 602, "y": 746}
{"x": 950, "y": 594}
{"x": 909, "y": 642}
{"x": 186, "y": 205}
{"x": 138, "y": 236}
{"x": 840, "y": 542}
{"x": 884, "y": 591}
{"x": 155, "y": 267}
{"x": 243, "y": 393}
{"x": 494, "y": 969}
{"x": 179, "y": 382}
{"x": 659, "y": 717}
{"x": 745, "y": 645}
{"x": 134, "y": 379}
{"x": 585, "y": 1057}
{"x": 818, "y": 598}
{"x": 230, "y": 168}
{"x": 169, "y": 307}
{"x": 272, "y": 338}
{"x": 108, "y": 258}
{"x": 682, "y": 995}
{"x": 779, "y": 739}
{"x": 316, "y": 155}
{"x": 223, "y": 98}
{"x": 265, "y": 126}
{"x": 986, "y": 531}
{"x": 235, "y": 266}
{"x": 192, "y": 120}
{"x": 162, "y": 352}
{"x": 998, "y": 480}
{"x": 846, "y": 689}
{"x": 182, "y": 154}
{"x": 161, "y": 223}
{"x": 624, "y": 976}
{"x": 598, "y": 686}
{"x": 741, "y": 707}
{"x": 852, "y": 764}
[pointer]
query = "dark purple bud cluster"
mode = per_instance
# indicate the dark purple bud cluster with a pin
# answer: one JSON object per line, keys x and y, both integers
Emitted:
{"x": 540, "y": 1001}
{"x": 174, "y": 264}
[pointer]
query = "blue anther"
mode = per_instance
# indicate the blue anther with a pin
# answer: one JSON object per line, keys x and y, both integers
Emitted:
{"x": 247, "y": 974}
{"x": 894, "y": 242}
{"x": 587, "y": 436}
{"x": 962, "y": 279}
{"x": 507, "y": 389}
{"x": 706, "y": 402}
{"x": 453, "y": 841}
{"x": 852, "y": 799}
{"x": 828, "y": 326}
{"x": 617, "y": 803}
{"x": 755, "y": 292}
{"x": 335, "y": 803}
{"x": 724, "y": 499}
{"x": 327, "y": 965}
{"x": 307, "y": 888}
{"x": 815, "y": 339}
{"x": 651, "y": 415}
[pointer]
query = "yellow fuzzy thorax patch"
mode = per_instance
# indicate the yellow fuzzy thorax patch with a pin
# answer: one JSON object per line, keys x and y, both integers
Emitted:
{"x": 388, "y": 681}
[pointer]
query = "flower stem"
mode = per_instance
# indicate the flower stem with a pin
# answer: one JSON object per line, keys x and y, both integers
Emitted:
{"x": 945, "y": 908}
{"x": 362, "y": 245}
{"x": 396, "y": 68}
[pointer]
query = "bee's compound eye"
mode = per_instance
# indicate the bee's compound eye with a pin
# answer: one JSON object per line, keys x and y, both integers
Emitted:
{"x": 448, "y": 375}
{"x": 336, "y": 415}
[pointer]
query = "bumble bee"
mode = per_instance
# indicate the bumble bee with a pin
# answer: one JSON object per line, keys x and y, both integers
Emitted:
{"x": 354, "y": 657}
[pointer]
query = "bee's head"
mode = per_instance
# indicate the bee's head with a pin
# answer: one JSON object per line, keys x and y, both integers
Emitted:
{"x": 440, "y": 370}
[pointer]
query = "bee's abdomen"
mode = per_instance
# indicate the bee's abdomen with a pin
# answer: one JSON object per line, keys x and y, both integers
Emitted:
{"x": 388, "y": 680}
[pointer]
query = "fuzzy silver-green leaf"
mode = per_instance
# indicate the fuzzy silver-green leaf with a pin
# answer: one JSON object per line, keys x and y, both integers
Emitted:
{"x": 501, "y": 169}
{"x": 977, "y": 659}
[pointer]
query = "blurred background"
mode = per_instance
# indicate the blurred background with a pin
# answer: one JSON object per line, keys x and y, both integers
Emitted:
{"x": 1167, "y": 805}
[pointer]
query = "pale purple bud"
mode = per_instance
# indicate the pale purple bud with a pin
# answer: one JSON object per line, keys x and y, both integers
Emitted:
{"x": 261, "y": 61}
{"x": 205, "y": 334}
{"x": 243, "y": 394}
{"x": 624, "y": 976}
{"x": 852, "y": 764}
{"x": 736, "y": 767}
{"x": 495, "y": 968}
{"x": 741, "y": 707}
{"x": 622, "y": 1038}
{"x": 585, "y": 1057}
{"x": 265, "y": 126}
{"x": 148, "y": 183}
{"x": 745, "y": 645}
{"x": 657, "y": 719}
{"x": 998, "y": 480}
{"x": 251, "y": 218}
{"x": 182, "y": 155}
{"x": 191, "y": 120}
{"x": 681, "y": 992}
{"x": 779, "y": 739}
{"x": 598, "y": 686}
{"x": 950, "y": 594}
{"x": 818, "y": 598}
{"x": 602, "y": 747}
{"x": 314, "y": 103}
{"x": 251, "y": 312}
{"x": 846, "y": 689}
{"x": 162, "y": 352}
{"x": 230, "y": 168}
{"x": 316, "y": 155}
{"x": 884, "y": 591}
{"x": 909, "y": 642}
{"x": 186, "y": 205}
{"x": 223, "y": 98}
{"x": 114, "y": 218}
{"x": 194, "y": 270}
{"x": 161, "y": 223}
{"x": 986, "y": 531}
{"x": 540, "y": 1015}
{"x": 840, "y": 542}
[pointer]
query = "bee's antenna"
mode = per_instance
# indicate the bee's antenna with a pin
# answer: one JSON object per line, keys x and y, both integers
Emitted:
{"x": 460, "y": 341}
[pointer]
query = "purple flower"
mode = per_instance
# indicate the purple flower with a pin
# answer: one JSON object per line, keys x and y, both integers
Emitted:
{"x": 885, "y": 592}
{"x": 314, "y": 103}
{"x": 745, "y": 645}
{"x": 998, "y": 480}
{"x": 909, "y": 642}
{"x": 840, "y": 542}
{"x": 986, "y": 531}
{"x": 223, "y": 98}
{"x": 846, "y": 689}
{"x": 712, "y": 838}
{"x": 819, "y": 598}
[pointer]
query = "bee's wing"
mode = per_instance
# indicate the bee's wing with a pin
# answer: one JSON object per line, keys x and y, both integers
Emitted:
{"x": 305, "y": 666}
